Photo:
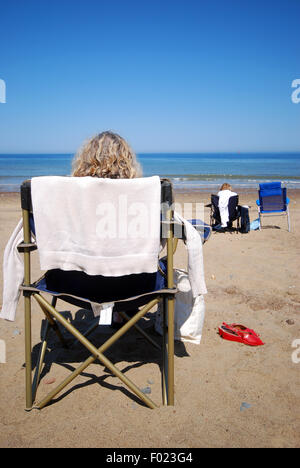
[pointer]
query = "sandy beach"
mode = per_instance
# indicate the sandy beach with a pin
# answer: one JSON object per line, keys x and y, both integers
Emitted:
{"x": 227, "y": 394}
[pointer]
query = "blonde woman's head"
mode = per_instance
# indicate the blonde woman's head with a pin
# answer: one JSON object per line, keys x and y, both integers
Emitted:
{"x": 226, "y": 187}
{"x": 106, "y": 155}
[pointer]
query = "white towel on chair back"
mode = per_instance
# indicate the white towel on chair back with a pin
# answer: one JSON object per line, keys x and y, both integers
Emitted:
{"x": 108, "y": 227}
{"x": 224, "y": 196}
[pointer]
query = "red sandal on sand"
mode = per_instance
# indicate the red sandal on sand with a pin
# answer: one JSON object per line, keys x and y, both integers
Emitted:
{"x": 239, "y": 333}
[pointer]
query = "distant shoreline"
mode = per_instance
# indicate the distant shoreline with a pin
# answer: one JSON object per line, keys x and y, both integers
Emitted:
{"x": 195, "y": 191}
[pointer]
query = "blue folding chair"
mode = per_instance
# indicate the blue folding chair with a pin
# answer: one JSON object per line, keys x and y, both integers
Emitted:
{"x": 272, "y": 201}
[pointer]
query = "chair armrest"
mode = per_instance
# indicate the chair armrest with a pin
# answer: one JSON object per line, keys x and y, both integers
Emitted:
{"x": 26, "y": 203}
{"x": 257, "y": 202}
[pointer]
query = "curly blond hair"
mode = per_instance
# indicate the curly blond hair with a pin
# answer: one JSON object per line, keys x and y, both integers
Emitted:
{"x": 226, "y": 186}
{"x": 106, "y": 155}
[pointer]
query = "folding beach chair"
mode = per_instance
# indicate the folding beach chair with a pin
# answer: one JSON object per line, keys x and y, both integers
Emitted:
{"x": 233, "y": 211}
{"x": 128, "y": 293}
{"x": 272, "y": 201}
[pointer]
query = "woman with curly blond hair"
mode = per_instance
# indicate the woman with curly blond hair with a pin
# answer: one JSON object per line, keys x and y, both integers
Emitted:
{"x": 106, "y": 155}
{"x": 224, "y": 194}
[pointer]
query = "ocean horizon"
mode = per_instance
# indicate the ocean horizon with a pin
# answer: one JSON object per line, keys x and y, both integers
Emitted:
{"x": 186, "y": 170}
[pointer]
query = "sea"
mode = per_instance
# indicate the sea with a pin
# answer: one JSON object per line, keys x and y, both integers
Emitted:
{"x": 188, "y": 171}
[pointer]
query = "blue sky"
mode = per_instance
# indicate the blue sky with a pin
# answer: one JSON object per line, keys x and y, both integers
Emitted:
{"x": 169, "y": 76}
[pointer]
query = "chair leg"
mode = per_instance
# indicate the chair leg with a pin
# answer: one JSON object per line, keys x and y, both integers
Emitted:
{"x": 88, "y": 332}
{"x": 139, "y": 329}
{"x": 288, "y": 219}
{"x": 165, "y": 352}
{"x": 27, "y": 307}
{"x": 170, "y": 304}
{"x": 28, "y": 362}
{"x": 40, "y": 360}
{"x": 50, "y": 324}
{"x": 170, "y": 352}
{"x": 211, "y": 218}
{"x": 53, "y": 324}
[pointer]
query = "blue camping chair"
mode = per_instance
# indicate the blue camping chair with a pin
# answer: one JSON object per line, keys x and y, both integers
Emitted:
{"x": 272, "y": 201}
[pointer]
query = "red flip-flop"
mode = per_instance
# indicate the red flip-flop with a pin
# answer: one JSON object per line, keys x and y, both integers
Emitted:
{"x": 239, "y": 333}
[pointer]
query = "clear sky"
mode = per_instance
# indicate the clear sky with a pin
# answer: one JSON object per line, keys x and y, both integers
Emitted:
{"x": 168, "y": 75}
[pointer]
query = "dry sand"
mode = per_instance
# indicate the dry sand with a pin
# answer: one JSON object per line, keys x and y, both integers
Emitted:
{"x": 252, "y": 279}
